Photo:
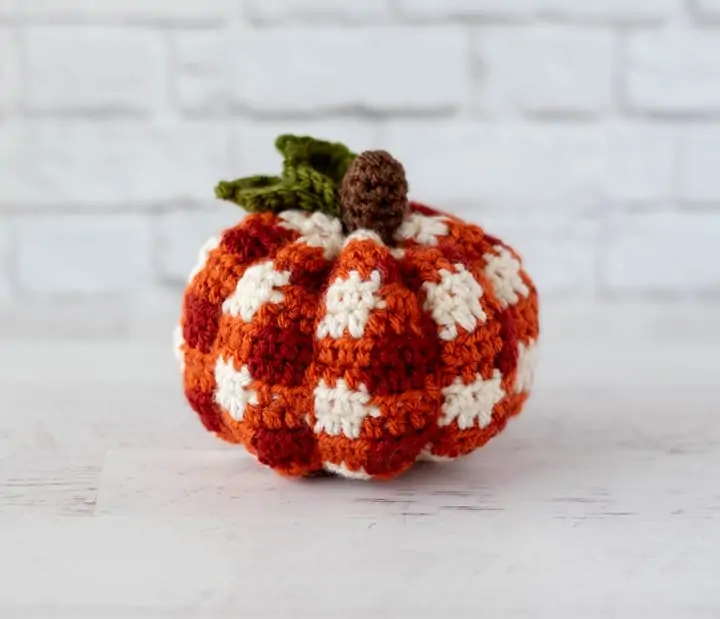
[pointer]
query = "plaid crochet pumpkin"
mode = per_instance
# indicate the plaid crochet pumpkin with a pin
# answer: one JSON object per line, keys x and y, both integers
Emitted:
{"x": 341, "y": 328}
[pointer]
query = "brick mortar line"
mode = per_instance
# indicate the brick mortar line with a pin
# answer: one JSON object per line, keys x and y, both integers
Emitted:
{"x": 16, "y": 102}
{"x": 699, "y": 18}
{"x": 232, "y": 112}
{"x": 387, "y": 22}
{"x": 137, "y": 208}
{"x": 192, "y": 25}
{"x": 546, "y": 119}
{"x": 566, "y": 116}
{"x": 542, "y": 18}
{"x": 619, "y": 58}
{"x": 10, "y": 257}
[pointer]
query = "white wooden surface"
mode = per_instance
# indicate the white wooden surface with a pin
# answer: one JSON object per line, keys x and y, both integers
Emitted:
{"x": 602, "y": 500}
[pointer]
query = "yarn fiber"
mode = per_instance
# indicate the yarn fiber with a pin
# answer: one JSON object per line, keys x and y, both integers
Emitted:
{"x": 336, "y": 341}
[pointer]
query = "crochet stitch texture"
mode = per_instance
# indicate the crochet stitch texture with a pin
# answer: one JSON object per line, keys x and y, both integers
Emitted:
{"x": 341, "y": 328}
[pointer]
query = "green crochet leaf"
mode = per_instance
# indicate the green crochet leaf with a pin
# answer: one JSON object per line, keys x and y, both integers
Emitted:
{"x": 309, "y": 180}
{"x": 329, "y": 158}
{"x": 232, "y": 190}
{"x": 312, "y": 171}
{"x": 274, "y": 198}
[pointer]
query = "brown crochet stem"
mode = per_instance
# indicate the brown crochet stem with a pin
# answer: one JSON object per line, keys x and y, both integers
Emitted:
{"x": 374, "y": 194}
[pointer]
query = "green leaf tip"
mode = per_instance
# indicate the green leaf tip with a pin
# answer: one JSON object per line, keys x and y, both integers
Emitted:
{"x": 237, "y": 190}
{"x": 329, "y": 158}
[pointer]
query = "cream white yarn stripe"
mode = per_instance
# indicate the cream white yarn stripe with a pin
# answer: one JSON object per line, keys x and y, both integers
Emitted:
{"x": 526, "y": 366}
{"x": 454, "y": 301}
{"x": 258, "y": 285}
{"x": 467, "y": 404}
{"x": 341, "y": 410}
{"x": 348, "y": 305}
{"x": 423, "y": 229}
{"x": 232, "y": 391}
{"x": 503, "y": 271}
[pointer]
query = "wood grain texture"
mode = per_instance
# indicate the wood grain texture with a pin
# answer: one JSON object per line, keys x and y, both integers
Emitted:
{"x": 601, "y": 500}
{"x": 493, "y": 563}
{"x": 575, "y": 454}
{"x": 37, "y": 482}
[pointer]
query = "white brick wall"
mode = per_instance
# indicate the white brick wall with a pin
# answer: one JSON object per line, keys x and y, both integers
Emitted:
{"x": 640, "y": 163}
{"x": 586, "y": 132}
{"x": 617, "y": 11}
{"x": 84, "y": 254}
{"x": 116, "y": 165}
{"x": 430, "y": 10}
{"x": 708, "y": 8}
{"x": 9, "y": 73}
{"x": 548, "y": 69}
{"x": 133, "y": 11}
{"x": 93, "y": 69}
{"x": 662, "y": 253}
{"x": 5, "y": 261}
{"x": 699, "y": 157}
{"x": 287, "y": 70}
{"x": 507, "y": 167}
{"x": 276, "y": 11}
{"x": 673, "y": 71}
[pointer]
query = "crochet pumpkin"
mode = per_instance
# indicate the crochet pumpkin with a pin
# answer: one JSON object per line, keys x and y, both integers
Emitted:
{"x": 341, "y": 328}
